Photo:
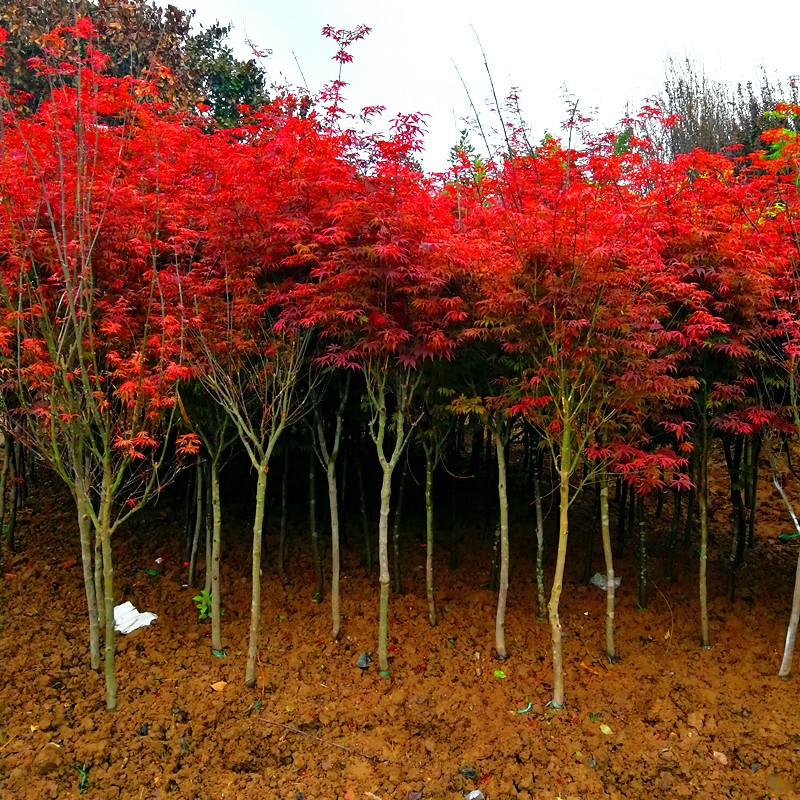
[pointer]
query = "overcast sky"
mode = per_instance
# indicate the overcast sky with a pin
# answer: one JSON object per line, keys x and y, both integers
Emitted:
{"x": 608, "y": 55}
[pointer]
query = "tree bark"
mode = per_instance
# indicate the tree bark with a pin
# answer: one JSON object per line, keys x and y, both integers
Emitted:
{"x": 255, "y": 596}
{"x": 561, "y": 558}
{"x": 502, "y": 595}
{"x": 605, "y": 532}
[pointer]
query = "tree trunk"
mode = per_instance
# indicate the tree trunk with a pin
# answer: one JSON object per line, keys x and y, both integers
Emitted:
{"x": 622, "y": 507}
{"x": 284, "y": 513}
{"x": 333, "y": 502}
{"x": 733, "y": 461}
{"x": 255, "y": 597}
{"x": 383, "y": 563}
{"x": 198, "y": 525}
{"x": 216, "y": 555}
{"x": 590, "y": 532}
{"x": 312, "y": 524}
{"x": 364, "y": 517}
{"x": 429, "y": 535}
{"x": 104, "y": 534}
{"x": 751, "y": 484}
{"x": 209, "y": 525}
{"x": 5, "y": 545}
{"x": 398, "y": 583}
{"x": 673, "y": 536}
{"x": 537, "y": 499}
{"x": 642, "y": 602}
{"x": 502, "y": 595}
{"x": 561, "y": 557}
{"x": 605, "y": 532}
{"x": 98, "y": 581}
{"x": 85, "y": 531}
{"x": 794, "y": 617}
{"x": 702, "y": 500}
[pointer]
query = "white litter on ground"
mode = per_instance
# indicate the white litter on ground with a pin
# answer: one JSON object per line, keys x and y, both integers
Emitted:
{"x": 127, "y": 619}
{"x": 600, "y": 581}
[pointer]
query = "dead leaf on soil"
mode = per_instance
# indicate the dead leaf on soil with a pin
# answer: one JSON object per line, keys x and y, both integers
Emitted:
{"x": 589, "y": 668}
{"x": 778, "y": 785}
{"x": 219, "y": 685}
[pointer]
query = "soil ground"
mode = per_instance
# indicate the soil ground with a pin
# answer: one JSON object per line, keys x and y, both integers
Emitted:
{"x": 669, "y": 720}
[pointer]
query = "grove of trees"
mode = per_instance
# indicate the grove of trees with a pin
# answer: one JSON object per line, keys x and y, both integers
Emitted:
{"x": 173, "y": 286}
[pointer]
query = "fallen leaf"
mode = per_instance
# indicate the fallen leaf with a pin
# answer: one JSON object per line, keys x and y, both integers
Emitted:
{"x": 591, "y": 669}
{"x": 219, "y": 685}
{"x": 606, "y": 729}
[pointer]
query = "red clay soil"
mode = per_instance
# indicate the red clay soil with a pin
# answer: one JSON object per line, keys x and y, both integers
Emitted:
{"x": 669, "y": 720}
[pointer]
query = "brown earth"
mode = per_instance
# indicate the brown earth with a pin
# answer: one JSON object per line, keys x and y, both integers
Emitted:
{"x": 681, "y": 721}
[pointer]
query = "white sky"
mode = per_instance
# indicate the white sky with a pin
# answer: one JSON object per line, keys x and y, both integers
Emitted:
{"x": 606, "y": 54}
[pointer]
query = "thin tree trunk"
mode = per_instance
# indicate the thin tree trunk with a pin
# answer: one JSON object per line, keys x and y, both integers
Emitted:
{"x": 502, "y": 595}
{"x": 329, "y": 456}
{"x": 398, "y": 583}
{"x": 702, "y": 499}
{"x": 622, "y": 507}
{"x": 642, "y": 602}
{"x": 794, "y": 617}
{"x": 209, "y": 523}
{"x": 188, "y": 528}
{"x": 312, "y": 524}
{"x": 284, "y": 513}
{"x": 5, "y": 545}
{"x": 537, "y": 499}
{"x": 605, "y": 533}
{"x": 561, "y": 558}
{"x": 255, "y": 597}
{"x": 673, "y": 536}
{"x": 333, "y": 502}
{"x": 364, "y": 517}
{"x": 733, "y": 461}
{"x": 216, "y": 555}
{"x": 753, "y": 453}
{"x": 98, "y": 581}
{"x": 688, "y": 528}
{"x": 429, "y": 535}
{"x": 85, "y": 531}
{"x": 13, "y": 501}
{"x": 104, "y": 534}
{"x": 383, "y": 562}
{"x": 590, "y": 532}
{"x": 198, "y": 524}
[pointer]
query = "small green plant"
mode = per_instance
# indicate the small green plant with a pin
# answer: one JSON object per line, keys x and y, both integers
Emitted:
{"x": 203, "y": 601}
